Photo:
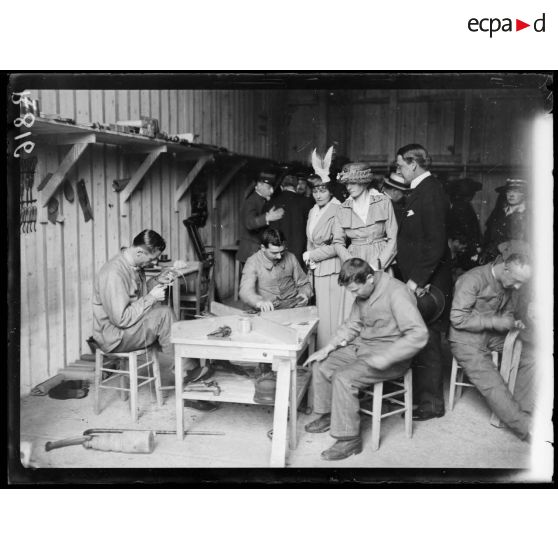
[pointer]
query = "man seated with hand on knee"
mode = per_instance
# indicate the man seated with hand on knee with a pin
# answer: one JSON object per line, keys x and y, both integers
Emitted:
{"x": 127, "y": 314}
{"x": 383, "y": 333}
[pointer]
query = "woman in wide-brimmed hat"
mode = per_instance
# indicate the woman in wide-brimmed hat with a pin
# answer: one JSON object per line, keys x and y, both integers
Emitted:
{"x": 508, "y": 220}
{"x": 366, "y": 220}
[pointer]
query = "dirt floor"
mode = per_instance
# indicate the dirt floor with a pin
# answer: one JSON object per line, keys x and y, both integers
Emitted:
{"x": 463, "y": 438}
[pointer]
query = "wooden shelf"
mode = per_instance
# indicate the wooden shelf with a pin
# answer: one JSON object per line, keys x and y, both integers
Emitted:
{"x": 57, "y": 132}
{"x": 240, "y": 389}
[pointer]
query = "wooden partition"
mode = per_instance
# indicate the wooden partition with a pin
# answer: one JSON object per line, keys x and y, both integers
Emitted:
{"x": 59, "y": 261}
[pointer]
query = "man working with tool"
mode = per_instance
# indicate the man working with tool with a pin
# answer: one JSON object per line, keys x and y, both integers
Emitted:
{"x": 127, "y": 315}
{"x": 383, "y": 333}
{"x": 272, "y": 277}
{"x": 482, "y": 313}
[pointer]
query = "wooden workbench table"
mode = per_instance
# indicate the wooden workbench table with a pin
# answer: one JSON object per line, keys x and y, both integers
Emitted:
{"x": 277, "y": 337}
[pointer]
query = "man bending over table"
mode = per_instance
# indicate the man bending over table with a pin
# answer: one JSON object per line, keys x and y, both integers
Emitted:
{"x": 272, "y": 277}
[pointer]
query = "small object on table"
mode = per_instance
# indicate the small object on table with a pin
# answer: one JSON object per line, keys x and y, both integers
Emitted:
{"x": 222, "y": 332}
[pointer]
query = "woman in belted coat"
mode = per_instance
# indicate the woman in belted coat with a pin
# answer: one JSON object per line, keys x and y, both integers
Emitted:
{"x": 367, "y": 221}
{"x": 321, "y": 257}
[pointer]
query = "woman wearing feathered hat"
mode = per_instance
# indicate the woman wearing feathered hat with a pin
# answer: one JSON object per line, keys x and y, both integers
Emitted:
{"x": 508, "y": 220}
{"x": 320, "y": 255}
{"x": 366, "y": 220}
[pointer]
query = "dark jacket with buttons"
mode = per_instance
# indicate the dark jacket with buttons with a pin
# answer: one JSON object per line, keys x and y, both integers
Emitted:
{"x": 252, "y": 225}
{"x": 422, "y": 245}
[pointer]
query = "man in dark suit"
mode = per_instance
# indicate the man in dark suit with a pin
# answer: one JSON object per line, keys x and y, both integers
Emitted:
{"x": 424, "y": 259}
{"x": 254, "y": 218}
{"x": 293, "y": 222}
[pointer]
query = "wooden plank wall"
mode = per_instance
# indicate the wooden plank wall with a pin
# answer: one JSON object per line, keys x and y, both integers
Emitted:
{"x": 58, "y": 262}
{"x": 482, "y": 134}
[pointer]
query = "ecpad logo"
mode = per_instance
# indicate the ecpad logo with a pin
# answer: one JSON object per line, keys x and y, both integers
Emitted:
{"x": 494, "y": 24}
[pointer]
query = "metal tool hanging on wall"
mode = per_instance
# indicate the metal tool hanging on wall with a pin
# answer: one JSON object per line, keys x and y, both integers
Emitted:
{"x": 28, "y": 207}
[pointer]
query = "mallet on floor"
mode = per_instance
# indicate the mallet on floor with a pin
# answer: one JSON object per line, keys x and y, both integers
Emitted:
{"x": 122, "y": 441}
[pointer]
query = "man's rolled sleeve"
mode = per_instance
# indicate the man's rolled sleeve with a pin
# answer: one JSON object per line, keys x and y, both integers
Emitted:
{"x": 116, "y": 301}
{"x": 463, "y": 314}
{"x": 350, "y": 329}
{"x": 248, "y": 284}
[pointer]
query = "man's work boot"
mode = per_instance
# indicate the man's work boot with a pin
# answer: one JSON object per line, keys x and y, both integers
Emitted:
{"x": 321, "y": 424}
{"x": 343, "y": 449}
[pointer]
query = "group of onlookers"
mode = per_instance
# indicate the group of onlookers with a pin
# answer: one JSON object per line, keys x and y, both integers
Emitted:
{"x": 407, "y": 228}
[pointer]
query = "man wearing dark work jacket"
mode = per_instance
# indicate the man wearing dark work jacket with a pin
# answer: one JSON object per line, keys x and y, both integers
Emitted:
{"x": 253, "y": 217}
{"x": 424, "y": 259}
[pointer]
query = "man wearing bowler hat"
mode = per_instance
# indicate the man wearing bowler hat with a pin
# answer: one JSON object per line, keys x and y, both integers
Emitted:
{"x": 395, "y": 188}
{"x": 424, "y": 259}
{"x": 508, "y": 220}
{"x": 253, "y": 217}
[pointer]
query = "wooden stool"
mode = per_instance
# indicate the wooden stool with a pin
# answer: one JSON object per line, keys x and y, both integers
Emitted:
{"x": 132, "y": 370}
{"x": 456, "y": 380}
{"x": 406, "y": 404}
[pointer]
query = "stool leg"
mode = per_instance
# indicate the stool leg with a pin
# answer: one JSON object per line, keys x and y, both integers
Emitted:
{"x": 460, "y": 379}
{"x": 452, "y": 384}
{"x": 377, "y": 414}
{"x": 98, "y": 376}
{"x": 157, "y": 375}
{"x": 123, "y": 379}
{"x": 134, "y": 386}
{"x": 408, "y": 385}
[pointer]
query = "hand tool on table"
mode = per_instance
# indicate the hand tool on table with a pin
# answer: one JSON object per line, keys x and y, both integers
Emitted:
{"x": 203, "y": 386}
{"x": 222, "y": 332}
{"x": 121, "y": 440}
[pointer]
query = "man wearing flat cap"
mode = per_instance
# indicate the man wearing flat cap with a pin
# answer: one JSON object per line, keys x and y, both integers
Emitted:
{"x": 293, "y": 223}
{"x": 424, "y": 259}
{"x": 254, "y": 219}
{"x": 508, "y": 220}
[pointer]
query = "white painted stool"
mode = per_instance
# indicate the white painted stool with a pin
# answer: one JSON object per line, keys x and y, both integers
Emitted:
{"x": 405, "y": 404}
{"x": 152, "y": 358}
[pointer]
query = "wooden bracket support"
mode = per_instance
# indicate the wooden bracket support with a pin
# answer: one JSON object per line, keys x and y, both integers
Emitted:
{"x": 140, "y": 173}
{"x": 196, "y": 169}
{"x": 222, "y": 186}
{"x": 71, "y": 158}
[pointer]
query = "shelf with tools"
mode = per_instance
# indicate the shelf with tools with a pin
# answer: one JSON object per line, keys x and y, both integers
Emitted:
{"x": 79, "y": 136}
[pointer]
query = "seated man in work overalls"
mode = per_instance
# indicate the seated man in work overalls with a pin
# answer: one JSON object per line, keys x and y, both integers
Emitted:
{"x": 272, "y": 277}
{"x": 482, "y": 313}
{"x": 127, "y": 314}
{"x": 383, "y": 332}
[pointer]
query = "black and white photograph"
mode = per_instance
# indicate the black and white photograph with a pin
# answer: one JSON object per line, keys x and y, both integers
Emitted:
{"x": 274, "y": 271}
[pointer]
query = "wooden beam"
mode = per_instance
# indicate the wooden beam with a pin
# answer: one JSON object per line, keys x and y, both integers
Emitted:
{"x": 67, "y": 139}
{"x": 71, "y": 158}
{"x": 222, "y": 186}
{"x": 196, "y": 169}
{"x": 140, "y": 173}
